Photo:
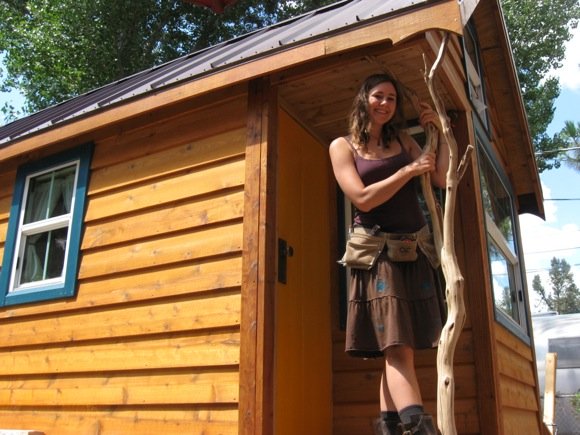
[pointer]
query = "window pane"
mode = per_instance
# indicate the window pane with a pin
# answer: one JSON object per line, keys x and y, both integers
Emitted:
{"x": 568, "y": 350}
{"x": 502, "y": 275}
{"x": 50, "y": 194}
{"x": 44, "y": 256}
{"x": 497, "y": 203}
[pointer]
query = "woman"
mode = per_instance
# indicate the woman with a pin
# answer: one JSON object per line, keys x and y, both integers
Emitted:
{"x": 395, "y": 307}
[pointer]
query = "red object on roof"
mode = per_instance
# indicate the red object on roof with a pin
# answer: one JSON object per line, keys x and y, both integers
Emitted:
{"x": 217, "y": 6}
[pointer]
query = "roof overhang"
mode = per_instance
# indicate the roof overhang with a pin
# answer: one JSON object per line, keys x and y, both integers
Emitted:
{"x": 515, "y": 145}
{"x": 339, "y": 29}
{"x": 393, "y": 27}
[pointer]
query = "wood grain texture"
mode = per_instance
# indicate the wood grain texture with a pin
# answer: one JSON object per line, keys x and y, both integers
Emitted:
{"x": 151, "y": 341}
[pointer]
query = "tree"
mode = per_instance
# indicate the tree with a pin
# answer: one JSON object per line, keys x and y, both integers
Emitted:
{"x": 564, "y": 297}
{"x": 57, "y": 49}
{"x": 570, "y": 134}
{"x": 538, "y": 31}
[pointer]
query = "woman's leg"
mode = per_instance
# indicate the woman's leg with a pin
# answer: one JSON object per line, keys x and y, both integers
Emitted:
{"x": 387, "y": 403}
{"x": 401, "y": 379}
{"x": 389, "y": 422}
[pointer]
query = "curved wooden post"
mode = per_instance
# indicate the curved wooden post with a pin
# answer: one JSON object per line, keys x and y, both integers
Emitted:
{"x": 453, "y": 277}
{"x": 431, "y": 145}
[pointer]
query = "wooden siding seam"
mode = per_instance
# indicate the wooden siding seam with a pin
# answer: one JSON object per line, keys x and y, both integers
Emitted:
{"x": 186, "y": 278}
{"x": 40, "y": 325}
{"x": 159, "y": 236}
{"x": 127, "y": 339}
{"x": 224, "y": 191}
{"x": 193, "y": 262}
{"x": 167, "y": 176}
{"x": 191, "y": 157}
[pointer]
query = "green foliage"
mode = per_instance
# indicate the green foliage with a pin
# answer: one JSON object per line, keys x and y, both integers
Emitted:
{"x": 570, "y": 134}
{"x": 564, "y": 297}
{"x": 57, "y": 49}
{"x": 538, "y": 31}
{"x": 576, "y": 402}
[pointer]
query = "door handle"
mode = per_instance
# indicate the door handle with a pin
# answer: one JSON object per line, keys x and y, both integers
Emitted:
{"x": 284, "y": 251}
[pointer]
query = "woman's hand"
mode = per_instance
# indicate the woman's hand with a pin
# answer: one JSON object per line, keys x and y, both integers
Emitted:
{"x": 428, "y": 116}
{"x": 426, "y": 162}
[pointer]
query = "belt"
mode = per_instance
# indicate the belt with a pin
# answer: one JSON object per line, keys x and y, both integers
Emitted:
{"x": 423, "y": 237}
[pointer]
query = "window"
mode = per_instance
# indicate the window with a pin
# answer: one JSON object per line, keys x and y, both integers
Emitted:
{"x": 43, "y": 240}
{"x": 502, "y": 245}
{"x": 568, "y": 350}
{"x": 474, "y": 73}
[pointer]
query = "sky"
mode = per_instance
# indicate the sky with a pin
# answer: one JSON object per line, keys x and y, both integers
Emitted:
{"x": 559, "y": 234}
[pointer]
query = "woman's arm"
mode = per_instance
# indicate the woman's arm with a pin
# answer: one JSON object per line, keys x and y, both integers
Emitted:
{"x": 439, "y": 177}
{"x": 366, "y": 198}
{"x": 439, "y": 174}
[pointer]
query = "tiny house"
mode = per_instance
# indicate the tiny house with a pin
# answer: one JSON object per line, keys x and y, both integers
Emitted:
{"x": 169, "y": 241}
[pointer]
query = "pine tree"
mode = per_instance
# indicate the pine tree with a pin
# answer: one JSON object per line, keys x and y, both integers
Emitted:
{"x": 564, "y": 296}
{"x": 570, "y": 134}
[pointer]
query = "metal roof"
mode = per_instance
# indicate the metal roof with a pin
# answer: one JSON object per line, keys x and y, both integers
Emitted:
{"x": 314, "y": 25}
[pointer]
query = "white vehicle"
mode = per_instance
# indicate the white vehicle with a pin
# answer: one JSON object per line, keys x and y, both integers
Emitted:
{"x": 560, "y": 334}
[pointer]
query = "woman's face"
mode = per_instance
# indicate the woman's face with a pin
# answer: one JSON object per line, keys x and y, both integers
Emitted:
{"x": 382, "y": 103}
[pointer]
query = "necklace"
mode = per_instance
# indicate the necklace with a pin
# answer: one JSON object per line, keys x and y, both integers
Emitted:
{"x": 380, "y": 143}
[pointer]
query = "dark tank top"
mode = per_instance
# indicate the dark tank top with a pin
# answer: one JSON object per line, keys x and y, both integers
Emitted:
{"x": 400, "y": 214}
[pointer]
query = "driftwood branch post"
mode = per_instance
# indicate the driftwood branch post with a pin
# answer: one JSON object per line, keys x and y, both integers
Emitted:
{"x": 453, "y": 277}
{"x": 443, "y": 234}
{"x": 431, "y": 144}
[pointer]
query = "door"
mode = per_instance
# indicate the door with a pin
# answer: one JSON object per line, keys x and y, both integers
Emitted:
{"x": 303, "y": 343}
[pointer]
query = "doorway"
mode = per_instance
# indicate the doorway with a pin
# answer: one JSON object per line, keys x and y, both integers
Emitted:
{"x": 303, "y": 342}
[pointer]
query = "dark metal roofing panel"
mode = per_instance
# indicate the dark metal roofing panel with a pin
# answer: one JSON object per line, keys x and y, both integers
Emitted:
{"x": 299, "y": 30}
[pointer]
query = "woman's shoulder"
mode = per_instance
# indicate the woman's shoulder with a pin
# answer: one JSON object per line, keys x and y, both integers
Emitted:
{"x": 407, "y": 141}
{"x": 342, "y": 143}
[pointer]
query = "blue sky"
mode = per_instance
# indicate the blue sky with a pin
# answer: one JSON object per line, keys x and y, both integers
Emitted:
{"x": 559, "y": 235}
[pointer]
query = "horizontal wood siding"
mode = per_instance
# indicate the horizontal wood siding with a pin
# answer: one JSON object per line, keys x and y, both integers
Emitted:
{"x": 356, "y": 387}
{"x": 151, "y": 343}
{"x": 7, "y": 178}
{"x": 520, "y": 405}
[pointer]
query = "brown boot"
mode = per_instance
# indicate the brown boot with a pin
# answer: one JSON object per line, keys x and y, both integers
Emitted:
{"x": 384, "y": 427}
{"x": 423, "y": 426}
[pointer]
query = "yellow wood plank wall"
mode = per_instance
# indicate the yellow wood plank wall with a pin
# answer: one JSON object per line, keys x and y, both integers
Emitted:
{"x": 519, "y": 399}
{"x": 6, "y": 187}
{"x": 151, "y": 342}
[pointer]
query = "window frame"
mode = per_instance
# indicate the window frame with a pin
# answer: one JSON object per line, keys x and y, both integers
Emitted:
{"x": 521, "y": 326}
{"x": 66, "y": 285}
{"x": 568, "y": 350}
{"x": 475, "y": 85}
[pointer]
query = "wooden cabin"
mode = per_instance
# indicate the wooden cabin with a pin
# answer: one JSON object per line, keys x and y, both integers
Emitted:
{"x": 169, "y": 241}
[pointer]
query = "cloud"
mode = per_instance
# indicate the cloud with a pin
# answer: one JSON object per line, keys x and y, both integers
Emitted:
{"x": 569, "y": 74}
{"x": 544, "y": 240}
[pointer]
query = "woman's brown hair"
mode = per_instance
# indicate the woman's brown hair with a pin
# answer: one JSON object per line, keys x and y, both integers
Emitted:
{"x": 359, "y": 120}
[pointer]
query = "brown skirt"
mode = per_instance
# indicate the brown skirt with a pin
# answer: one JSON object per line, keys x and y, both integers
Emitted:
{"x": 394, "y": 303}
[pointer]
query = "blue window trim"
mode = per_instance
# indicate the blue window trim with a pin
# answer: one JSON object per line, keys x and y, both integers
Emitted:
{"x": 67, "y": 288}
